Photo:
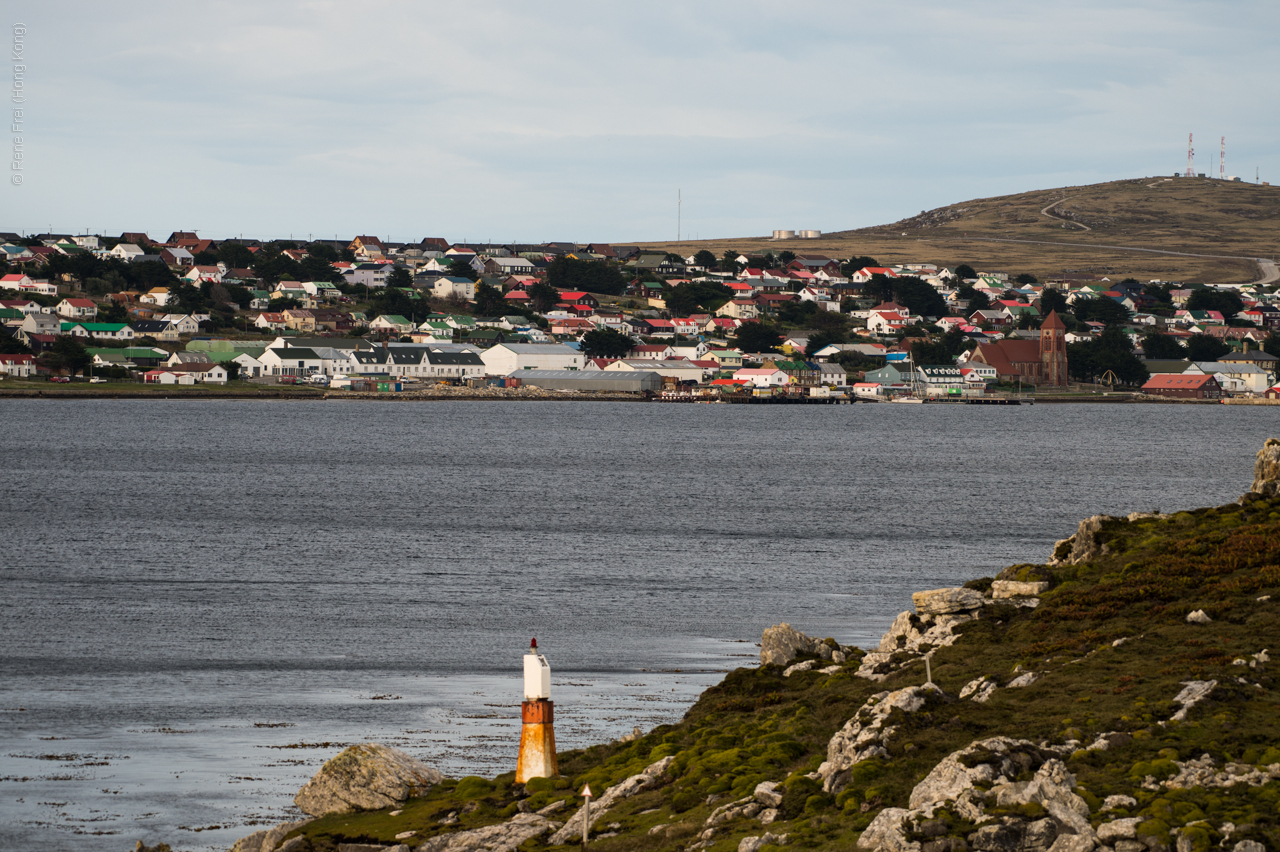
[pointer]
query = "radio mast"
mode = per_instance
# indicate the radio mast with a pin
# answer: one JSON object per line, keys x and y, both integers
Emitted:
{"x": 1222, "y": 161}
{"x": 1191, "y": 155}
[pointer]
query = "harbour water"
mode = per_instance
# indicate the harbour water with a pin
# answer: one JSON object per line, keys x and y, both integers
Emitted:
{"x": 201, "y": 601}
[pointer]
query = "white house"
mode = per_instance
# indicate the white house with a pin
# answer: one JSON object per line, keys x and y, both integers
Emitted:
{"x": 507, "y": 358}
{"x": 463, "y": 288}
{"x": 369, "y": 274}
{"x": 762, "y": 377}
{"x": 182, "y": 323}
{"x": 679, "y": 368}
{"x": 18, "y": 366}
{"x": 77, "y": 309}
{"x": 1235, "y": 377}
{"x": 126, "y": 252}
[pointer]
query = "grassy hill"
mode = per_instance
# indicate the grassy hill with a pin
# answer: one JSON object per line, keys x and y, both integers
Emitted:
{"x": 1080, "y": 231}
{"x": 1091, "y": 681}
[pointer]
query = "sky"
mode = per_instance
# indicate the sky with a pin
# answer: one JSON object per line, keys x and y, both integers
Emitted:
{"x": 496, "y": 120}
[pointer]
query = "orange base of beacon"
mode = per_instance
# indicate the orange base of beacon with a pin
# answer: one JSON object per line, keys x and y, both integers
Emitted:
{"x": 537, "y": 741}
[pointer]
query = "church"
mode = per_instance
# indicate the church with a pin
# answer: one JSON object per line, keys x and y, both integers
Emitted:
{"x": 1041, "y": 363}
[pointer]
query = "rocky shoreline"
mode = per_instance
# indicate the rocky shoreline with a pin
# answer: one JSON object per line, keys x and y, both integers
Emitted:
{"x": 987, "y": 718}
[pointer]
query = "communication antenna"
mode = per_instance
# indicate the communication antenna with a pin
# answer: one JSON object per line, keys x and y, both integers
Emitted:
{"x": 679, "y": 213}
{"x": 1191, "y": 157}
{"x": 1222, "y": 161}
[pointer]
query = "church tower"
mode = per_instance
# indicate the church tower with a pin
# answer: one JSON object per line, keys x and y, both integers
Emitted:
{"x": 1053, "y": 351}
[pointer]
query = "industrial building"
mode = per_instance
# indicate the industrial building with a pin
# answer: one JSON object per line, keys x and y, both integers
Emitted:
{"x": 591, "y": 380}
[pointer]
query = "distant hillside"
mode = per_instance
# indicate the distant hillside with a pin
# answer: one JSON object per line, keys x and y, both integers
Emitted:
{"x": 1116, "y": 228}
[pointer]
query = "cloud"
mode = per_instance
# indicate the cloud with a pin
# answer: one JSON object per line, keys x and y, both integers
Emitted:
{"x": 528, "y": 121}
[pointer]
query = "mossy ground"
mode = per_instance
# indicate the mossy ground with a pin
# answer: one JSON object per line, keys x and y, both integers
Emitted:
{"x": 757, "y": 725}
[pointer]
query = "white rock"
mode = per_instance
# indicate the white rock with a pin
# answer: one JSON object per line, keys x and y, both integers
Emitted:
{"x": 830, "y": 670}
{"x": 768, "y": 816}
{"x": 947, "y": 601}
{"x": 365, "y": 777}
{"x": 780, "y": 644}
{"x": 1194, "y": 691}
{"x": 1113, "y": 802}
{"x": 885, "y": 834}
{"x": 503, "y": 837}
{"x": 1199, "y": 616}
{"x": 752, "y": 844}
{"x": 1120, "y": 829}
{"x": 1023, "y": 680}
{"x": 1262, "y": 657}
{"x": 1072, "y": 843}
{"x": 799, "y": 667}
{"x": 862, "y": 736}
{"x": 766, "y": 794}
{"x": 1250, "y": 846}
{"x": 650, "y": 777}
{"x": 1001, "y": 589}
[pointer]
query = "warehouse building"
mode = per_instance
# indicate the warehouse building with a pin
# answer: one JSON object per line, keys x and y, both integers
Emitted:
{"x": 594, "y": 380}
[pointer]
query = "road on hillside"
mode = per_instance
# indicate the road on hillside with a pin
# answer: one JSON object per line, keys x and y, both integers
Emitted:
{"x": 1044, "y": 211}
{"x": 1268, "y": 269}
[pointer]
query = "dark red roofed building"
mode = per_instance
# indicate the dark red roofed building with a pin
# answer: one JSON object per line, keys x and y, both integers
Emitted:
{"x": 1042, "y": 362}
{"x": 1182, "y": 386}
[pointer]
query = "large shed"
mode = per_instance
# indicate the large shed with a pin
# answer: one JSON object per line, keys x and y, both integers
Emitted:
{"x": 590, "y": 380}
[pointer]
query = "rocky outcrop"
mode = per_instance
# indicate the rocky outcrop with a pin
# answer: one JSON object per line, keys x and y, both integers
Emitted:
{"x": 1084, "y": 545}
{"x": 864, "y": 736}
{"x": 1266, "y": 470}
{"x": 365, "y": 777}
{"x": 503, "y": 837}
{"x": 947, "y": 601}
{"x": 1002, "y": 589}
{"x": 1193, "y": 693}
{"x": 651, "y": 777}
{"x": 782, "y": 643}
{"x": 267, "y": 840}
{"x": 967, "y": 780}
{"x": 753, "y": 844}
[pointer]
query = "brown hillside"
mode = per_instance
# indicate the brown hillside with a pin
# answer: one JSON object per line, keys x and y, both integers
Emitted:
{"x": 1115, "y": 228}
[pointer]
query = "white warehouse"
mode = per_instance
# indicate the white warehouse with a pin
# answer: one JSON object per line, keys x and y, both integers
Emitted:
{"x": 507, "y": 358}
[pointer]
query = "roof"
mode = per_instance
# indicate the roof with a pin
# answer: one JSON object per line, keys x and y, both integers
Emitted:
{"x": 80, "y": 303}
{"x": 1052, "y": 321}
{"x": 1180, "y": 381}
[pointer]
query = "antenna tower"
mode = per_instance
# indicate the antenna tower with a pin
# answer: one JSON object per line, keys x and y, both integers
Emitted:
{"x": 1222, "y": 161}
{"x": 1191, "y": 157}
{"x": 679, "y": 212}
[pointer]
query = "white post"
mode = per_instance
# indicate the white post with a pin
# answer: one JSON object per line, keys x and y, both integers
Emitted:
{"x": 586, "y": 817}
{"x": 928, "y": 671}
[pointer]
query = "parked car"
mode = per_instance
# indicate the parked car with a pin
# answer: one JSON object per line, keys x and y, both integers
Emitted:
{"x": 318, "y": 379}
{"x": 63, "y": 380}
{"x": 288, "y": 380}
{"x": 97, "y": 380}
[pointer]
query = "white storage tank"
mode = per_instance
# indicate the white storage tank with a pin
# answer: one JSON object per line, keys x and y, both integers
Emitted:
{"x": 809, "y": 235}
{"x": 784, "y": 235}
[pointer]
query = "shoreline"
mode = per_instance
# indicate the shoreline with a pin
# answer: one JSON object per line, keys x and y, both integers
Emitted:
{"x": 510, "y": 395}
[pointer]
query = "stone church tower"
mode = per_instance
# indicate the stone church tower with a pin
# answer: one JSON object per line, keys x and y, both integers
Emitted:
{"x": 1053, "y": 351}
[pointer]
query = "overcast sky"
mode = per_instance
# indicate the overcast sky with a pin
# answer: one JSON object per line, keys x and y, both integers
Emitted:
{"x": 505, "y": 120}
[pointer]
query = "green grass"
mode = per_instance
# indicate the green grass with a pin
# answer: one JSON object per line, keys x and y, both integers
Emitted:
{"x": 756, "y": 725}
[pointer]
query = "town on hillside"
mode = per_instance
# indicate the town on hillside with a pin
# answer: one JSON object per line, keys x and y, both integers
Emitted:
{"x": 368, "y": 314}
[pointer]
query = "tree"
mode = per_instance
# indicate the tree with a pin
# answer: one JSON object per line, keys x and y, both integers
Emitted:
{"x": 489, "y": 301}
{"x": 592, "y": 276}
{"x": 785, "y": 257}
{"x": 12, "y": 345}
{"x": 543, "y": 296}
{"x": 729, "y": 263}
{"x": 66, "y": 354}
{"x": 688, "y": 298}
{"x": 925, "y": 351}
{"x": 977, "y": 300}
{"x": 233, "y": 370}
{"x": 964, "y": 271}
{"x": 1227, "y": 302}
{"x": 235, "y": 256}
{"x": 1052, "y": 300}
{"x": 705, "y": 259}
{"x": 823, "y": 339}
{"x": 918, "y": 296}
{"x": 189, "y": 299}
{"x": 313, "y": 268}
{"x": 606, "y": 343}
{"x": 1157, "y": 346}
{"x": 1027, "y": 278}
{"x": 853, "y": 264}
{"x": 1111, "y": 351}
{"x": 400, "y": 277}
{"x": 1206, "y": 347}
{"x": 757, "y": 337}
{"x": 1102, "y": 309}
{"x": 205, "y": 258}
{"x": 1272, "y": 344}
{"x": 461, "y": 268}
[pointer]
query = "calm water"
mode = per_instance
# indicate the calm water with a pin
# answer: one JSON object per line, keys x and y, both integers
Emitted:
{"x": 200, "y": 601}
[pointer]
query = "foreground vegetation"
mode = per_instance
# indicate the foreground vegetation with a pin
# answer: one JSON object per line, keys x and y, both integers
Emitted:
{"x": 1112, "y": 646}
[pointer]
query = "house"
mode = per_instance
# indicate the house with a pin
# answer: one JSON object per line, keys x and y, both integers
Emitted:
{"x": 177, "y": 257}
{"x": 1184, "y": 386}
{"x": 77, "y": 309}
{"x": 1040, "y": 362}
{"x": 831, "y": 374}
{"x": 99, "y": 330}
{"x": 721, "y": 325}
{"x": 18, "y": 366}
{"x": 508, "y": 266}
{"x": 126, "y": 252}
{"x": 367, "y": 247}
{"x": 188, "y": 357}
{"x": 273, "y": 321}
{"x": 892, "y": 373}
{"x": 15, "y": 281}
{"x": 762, "y": 377}
{"x": 40, "y": 323}
{"x": 863, "y": 275}
{"x": 727, "y": 359}
{"x": 157, "y": 329}
{"x": 741, "y": 309}
{"x": 167, "y": 377}
{"x": 204, "y": 372}
{"x": 299, "y": 319}
{"x": 391, "y": 324}
{"x": 506, "y": 358}
{"x": 368, "y": 274}
{"x": 461, "y": 288}
{"x": 182, "y": 323}
{"x": 651, "y": 352}
{"x": 1233, "y": 376}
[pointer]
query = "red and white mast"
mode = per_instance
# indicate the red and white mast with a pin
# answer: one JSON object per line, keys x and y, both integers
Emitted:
{"x": 1191, "y": 157}
{"x": 1222, "y": 161}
